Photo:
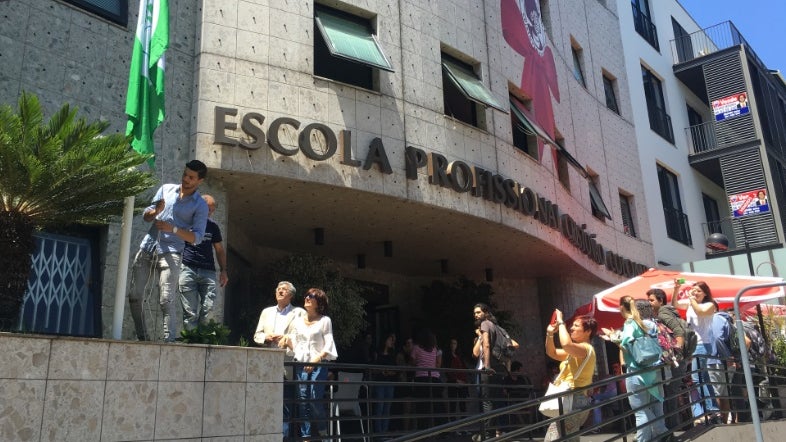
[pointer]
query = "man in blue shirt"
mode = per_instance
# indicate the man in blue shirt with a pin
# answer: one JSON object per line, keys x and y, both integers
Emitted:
{"x": 198, "y": 273}
{"x": 178, "y": 215}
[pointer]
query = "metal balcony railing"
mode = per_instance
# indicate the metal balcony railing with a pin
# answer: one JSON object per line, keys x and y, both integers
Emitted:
{"x": 701, "y": 137}
{"x": 677, "y": 227}
{"x": 660, "y": 122}
{"x": 645, "y": 27}
{"x": 708, "y": 41}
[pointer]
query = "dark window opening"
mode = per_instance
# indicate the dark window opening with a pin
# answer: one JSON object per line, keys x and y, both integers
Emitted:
{"x": 626, "y": 213}
{"x": 611, "y": 96}
{"x": 115, "y": 11}
{"x": 677, "y": 227}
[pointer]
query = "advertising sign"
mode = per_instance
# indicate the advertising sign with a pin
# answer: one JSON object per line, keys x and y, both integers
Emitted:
{"x": 730, "y": 107}
{"x": 749, "y": 203}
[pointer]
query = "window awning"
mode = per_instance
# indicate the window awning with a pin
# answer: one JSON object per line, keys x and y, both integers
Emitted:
{"x": 521, "y": 111}
{"x": 597, "y": 201}
{"x": 351, "y": 40}
{"x": 470, "y": 85}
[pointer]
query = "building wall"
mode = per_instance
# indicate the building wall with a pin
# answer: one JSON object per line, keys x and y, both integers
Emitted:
{"x": 655, "y": 150}
{"x": 257, "y": 56}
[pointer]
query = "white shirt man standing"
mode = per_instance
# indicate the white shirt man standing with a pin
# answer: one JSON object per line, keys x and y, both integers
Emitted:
{"x": 275, "y": 322}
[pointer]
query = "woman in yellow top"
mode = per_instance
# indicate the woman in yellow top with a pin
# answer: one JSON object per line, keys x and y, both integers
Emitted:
{"x": 576, "y": 347}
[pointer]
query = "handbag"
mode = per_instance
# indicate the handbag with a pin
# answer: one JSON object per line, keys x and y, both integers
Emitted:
{"x": 644, "y": 350}
{"x": 550, "y": 408}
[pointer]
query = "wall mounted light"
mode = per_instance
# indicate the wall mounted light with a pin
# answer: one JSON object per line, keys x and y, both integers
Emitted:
{"x": 388, "y": 246}
{"x": 319, "y": 236}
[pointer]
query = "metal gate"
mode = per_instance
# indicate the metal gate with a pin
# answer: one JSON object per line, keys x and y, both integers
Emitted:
{"x": 58, "y": 298}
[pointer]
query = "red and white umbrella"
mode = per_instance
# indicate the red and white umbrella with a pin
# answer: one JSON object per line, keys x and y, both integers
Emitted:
{"x": 605, "y": 305}
{"x": 724, "y": 288}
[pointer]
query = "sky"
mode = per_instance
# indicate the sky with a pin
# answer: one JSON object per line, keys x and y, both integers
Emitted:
{"x": 761, "y": 22}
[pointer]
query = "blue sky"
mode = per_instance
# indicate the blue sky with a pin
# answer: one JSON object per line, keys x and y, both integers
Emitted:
{"x": 761, "y": 22}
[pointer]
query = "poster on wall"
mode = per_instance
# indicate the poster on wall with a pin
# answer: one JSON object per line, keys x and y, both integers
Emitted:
{"x": 749, "y": 203}
{"x": 730, "y": 107}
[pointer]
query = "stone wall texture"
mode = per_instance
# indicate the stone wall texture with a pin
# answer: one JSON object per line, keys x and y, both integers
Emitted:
{"x": 69, "y": 389}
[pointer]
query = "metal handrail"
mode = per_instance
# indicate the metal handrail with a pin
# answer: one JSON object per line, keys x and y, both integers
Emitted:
{"x": 515, "y": 417}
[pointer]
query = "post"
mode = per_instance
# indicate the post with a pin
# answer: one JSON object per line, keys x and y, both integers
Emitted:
{"x": 748, "y": 254}
{"x": 746, "y": 363}
{"x": 122, "y": 268}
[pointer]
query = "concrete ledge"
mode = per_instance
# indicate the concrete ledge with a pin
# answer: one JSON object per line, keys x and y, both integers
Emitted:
{"x": 64, "y": 388}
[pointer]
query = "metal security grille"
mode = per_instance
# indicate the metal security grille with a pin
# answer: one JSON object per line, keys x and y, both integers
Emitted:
{"x": 743, "y": 172}
{"x": 58, "y": 298}
{"x": 724, "y": 77}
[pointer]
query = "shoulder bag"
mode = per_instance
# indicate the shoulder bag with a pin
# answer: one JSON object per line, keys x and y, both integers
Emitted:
{"x": 550, "y": 407}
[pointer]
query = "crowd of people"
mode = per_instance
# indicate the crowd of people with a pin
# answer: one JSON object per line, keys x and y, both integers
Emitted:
{"x": 183, "y": 242}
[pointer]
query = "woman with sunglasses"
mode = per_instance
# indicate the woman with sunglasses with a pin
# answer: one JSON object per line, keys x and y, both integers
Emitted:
{"x": 312, "y": 342}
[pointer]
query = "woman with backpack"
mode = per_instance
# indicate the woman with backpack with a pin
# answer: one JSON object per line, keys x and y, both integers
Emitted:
{"x": 646, "y": 394}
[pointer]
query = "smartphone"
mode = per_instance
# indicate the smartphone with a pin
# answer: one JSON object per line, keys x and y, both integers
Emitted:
{"x": 553, "y": 318}
{"x": 681, "y": 281}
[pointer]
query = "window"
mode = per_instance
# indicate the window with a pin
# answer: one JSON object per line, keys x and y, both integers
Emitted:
{"x": 642, "y": 21}
{"x": 702, "y": 136}
{"x": 682, "y": 42}
{"x": 562, "y": 164}
{"x": 545, "y": 16}
{"x": 525, "y": 135}
{"x": 578, "y": 73}
{"x": 599, "y": 209}
{"x": 712, "y": 213}
{"x": 660, "y": 121}
{"x": 611, "y": 96}
{"x": 113, "y": 10}
{"x": 677, "y": 227}
{"x": 463, "y": 91}
{"x": 346, "y": 49}
{"x": 626, "y": 212}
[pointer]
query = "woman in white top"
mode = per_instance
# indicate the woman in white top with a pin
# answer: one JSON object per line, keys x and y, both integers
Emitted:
{"x": 312, "y": 341}
{"x": 701, "y": 308}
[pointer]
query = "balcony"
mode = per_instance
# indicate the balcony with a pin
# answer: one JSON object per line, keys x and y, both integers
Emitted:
{"x": 701, "y": 137}
{"x": 708, "y": 41}
{"x": 660, "y": 122}
{"x": 645, "y": 28}
{"x": 677, "y": 227}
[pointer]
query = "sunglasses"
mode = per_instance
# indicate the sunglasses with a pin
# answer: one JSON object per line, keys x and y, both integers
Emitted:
{"x": 311, "y": 296}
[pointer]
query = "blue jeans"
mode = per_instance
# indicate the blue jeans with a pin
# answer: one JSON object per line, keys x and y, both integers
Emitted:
{"x": 651, "y": 412}
{"x": 701, "y": 381}
{"x": 167, "y": 268}
{"x": 307, "y": 392}
{"x": 382, "y": 394}
{"x": 197, "y": 294}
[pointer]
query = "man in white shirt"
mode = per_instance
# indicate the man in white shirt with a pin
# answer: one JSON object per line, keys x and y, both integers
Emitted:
{"x": 275, "y": 322}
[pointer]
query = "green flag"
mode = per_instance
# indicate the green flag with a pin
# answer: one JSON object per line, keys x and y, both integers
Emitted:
{"x": 145, "y": 100}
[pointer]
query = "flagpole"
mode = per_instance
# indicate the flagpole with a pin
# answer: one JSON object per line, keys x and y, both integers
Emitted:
{"x": 145, "y": 109}
{"x": 122, "y": 268}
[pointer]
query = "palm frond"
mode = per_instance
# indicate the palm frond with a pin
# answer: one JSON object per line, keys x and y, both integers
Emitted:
{"x": 65, "y": 170}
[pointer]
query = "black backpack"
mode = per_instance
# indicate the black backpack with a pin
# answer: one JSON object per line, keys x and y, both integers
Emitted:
{"x": 503, "y": 347}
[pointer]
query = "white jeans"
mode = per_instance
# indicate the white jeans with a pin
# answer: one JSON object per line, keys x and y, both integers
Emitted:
{"x": 146, "y": 266}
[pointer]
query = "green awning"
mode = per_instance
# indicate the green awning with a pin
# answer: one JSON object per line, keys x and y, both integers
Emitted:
{"x": 526, "y": 127}
{"x": 597, "y": 201}
{"x": 351, "y": 40}
{"x": 469, "y": 85}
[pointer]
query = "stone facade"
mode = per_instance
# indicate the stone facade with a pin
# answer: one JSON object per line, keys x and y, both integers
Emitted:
{"x": 90, "y": 390}
{"x": 258, "y": 56}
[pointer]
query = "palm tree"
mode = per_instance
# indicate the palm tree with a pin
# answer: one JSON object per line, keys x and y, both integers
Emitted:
{"x": 60, "y": 172}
